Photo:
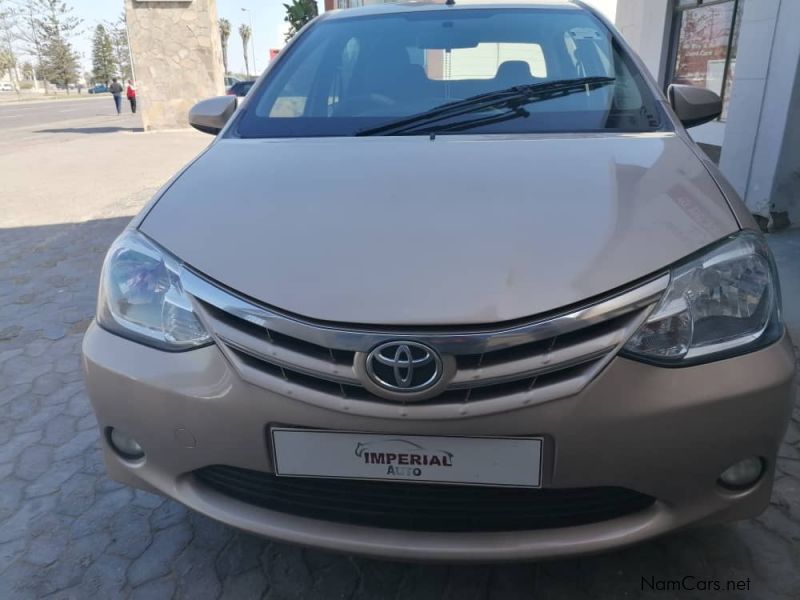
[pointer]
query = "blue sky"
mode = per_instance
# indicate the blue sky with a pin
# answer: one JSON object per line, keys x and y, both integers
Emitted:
{"x": 267, "y": 18}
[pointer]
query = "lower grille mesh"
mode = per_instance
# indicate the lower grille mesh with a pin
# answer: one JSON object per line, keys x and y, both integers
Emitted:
{"x": 424, "y": 507}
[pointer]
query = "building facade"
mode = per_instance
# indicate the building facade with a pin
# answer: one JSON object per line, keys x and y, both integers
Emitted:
{"x": 748, "y": 51}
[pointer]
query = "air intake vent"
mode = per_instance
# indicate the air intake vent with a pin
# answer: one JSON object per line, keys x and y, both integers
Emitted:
{"x": 424, "y": 507}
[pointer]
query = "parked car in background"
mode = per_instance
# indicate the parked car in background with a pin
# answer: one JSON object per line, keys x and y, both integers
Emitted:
{"x": 6, "y": 86}
{"x": 240, "y": 89}
{"x": 230, "y": 81}
{"x": 452, "y": 283}
{"x": 99, "y": 88}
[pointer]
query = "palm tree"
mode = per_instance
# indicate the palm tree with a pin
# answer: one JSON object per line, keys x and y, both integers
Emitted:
{"x": 246, "y": 32}
{"x": 224, "y": 34}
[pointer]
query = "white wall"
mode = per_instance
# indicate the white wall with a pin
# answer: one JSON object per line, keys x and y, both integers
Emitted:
{"x": 710, "y": 133}
{"x": 760, "y": 154}
{"x": 645, "y": 26}
{"x": 607, "y": 7}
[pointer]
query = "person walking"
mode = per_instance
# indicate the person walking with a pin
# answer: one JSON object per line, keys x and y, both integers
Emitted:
{"x": 131, "y": 93}
{"x": 116, "y": 92}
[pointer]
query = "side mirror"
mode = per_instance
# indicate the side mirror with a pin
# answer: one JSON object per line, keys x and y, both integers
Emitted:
{"x": 210, "y": 116}
{"x": 693, "y": 105}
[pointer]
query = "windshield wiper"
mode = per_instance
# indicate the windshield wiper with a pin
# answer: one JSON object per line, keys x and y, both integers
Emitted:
{"x": 512, "y": 99}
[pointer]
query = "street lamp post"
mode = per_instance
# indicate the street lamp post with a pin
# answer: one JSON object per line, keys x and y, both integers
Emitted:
{"x": 252, "y": 39}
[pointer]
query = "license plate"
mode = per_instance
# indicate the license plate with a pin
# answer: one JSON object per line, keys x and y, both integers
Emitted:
{"x": 513, "y": 462}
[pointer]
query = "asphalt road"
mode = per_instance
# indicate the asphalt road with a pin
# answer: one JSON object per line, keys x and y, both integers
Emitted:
{"x": 26, "y": 121}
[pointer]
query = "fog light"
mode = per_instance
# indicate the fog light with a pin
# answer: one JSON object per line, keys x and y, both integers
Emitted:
{"x": 743, "y": 474}
{"x": 125, "y": 445}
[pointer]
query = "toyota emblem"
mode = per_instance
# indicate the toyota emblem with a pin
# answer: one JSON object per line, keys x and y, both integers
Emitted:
{"x": 404, "y": 366}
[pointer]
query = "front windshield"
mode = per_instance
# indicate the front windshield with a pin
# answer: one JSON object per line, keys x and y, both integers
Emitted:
{"x": 347, "y": 76}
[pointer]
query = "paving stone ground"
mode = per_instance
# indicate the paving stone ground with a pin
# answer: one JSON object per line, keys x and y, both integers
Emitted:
{"x": 67, "y": 531}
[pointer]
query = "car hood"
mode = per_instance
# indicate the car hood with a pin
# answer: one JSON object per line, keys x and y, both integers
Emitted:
{"x": 456, "y": 230}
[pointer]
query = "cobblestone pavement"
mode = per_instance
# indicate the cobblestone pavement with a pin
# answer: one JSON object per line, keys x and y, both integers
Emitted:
{"x": 67, "y": 531}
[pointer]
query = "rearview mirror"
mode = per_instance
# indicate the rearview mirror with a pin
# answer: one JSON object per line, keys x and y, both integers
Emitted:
{"x": 693, "y": 105}
{"x": 211, "y": 115}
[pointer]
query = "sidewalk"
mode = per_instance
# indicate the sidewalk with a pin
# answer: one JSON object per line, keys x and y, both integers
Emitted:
{"x": 11, "y": 98}
{"x": 91, "y": 176}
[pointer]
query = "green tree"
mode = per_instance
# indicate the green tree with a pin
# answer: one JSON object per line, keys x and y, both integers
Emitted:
{"x": 119, "y": 40}
{"x": 245, "y": 32}
{"x": 29, "y": 34}
{"x": 7, "y": 25}
{"x": 8, "y": 59}
{"x": 298, "y": 13}
{"x": 224, "y": 35}
{"x": 103, "y": 67}
{"x": 7, "y": 62}
{"x": 60, "y": 62}
{"x": 56, "y": 24}
{"x": 28, "y": 71}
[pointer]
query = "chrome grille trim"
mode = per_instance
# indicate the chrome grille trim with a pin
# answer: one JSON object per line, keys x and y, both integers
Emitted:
{"x": 380, "y": 408}
{"x": 480, "y": 341}
{"x": 287, "y": 360}
{"x": 540, "y": 364}
{"x": 496, "y": 370}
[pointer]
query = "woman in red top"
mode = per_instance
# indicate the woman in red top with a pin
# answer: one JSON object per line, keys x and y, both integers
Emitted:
{"x": 131, "y": 93}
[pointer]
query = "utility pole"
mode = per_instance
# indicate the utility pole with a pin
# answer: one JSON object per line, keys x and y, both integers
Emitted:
{"x": 252, "y": 40}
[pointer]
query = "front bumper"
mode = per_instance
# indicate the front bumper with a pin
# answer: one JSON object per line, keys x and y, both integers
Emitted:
{"x": 667, "y": 433}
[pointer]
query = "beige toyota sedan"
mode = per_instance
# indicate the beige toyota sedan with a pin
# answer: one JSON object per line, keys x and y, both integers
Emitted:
{"x": 451, "y": 283}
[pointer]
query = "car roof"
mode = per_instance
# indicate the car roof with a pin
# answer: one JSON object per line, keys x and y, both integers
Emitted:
{"x": 431, "y": 5}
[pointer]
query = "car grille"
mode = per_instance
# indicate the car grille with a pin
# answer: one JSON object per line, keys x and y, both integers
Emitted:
{"x": 498, "y": 368}
{"x": 424, "y": 507}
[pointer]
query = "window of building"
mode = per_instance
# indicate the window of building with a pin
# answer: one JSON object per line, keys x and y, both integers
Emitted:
{"x": 705, "y": 45}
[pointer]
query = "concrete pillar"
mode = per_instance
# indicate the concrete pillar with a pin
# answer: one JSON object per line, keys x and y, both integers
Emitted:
{"x": 646, "y": 27}
{"x": 761, "y": 151}
{"x": 786, "y": 187}
{"x": 177, "y": 55}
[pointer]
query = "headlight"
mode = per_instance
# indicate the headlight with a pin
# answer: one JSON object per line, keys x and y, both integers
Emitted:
{"x": 725, "y": 302}
{"x": 141, "y": 296}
